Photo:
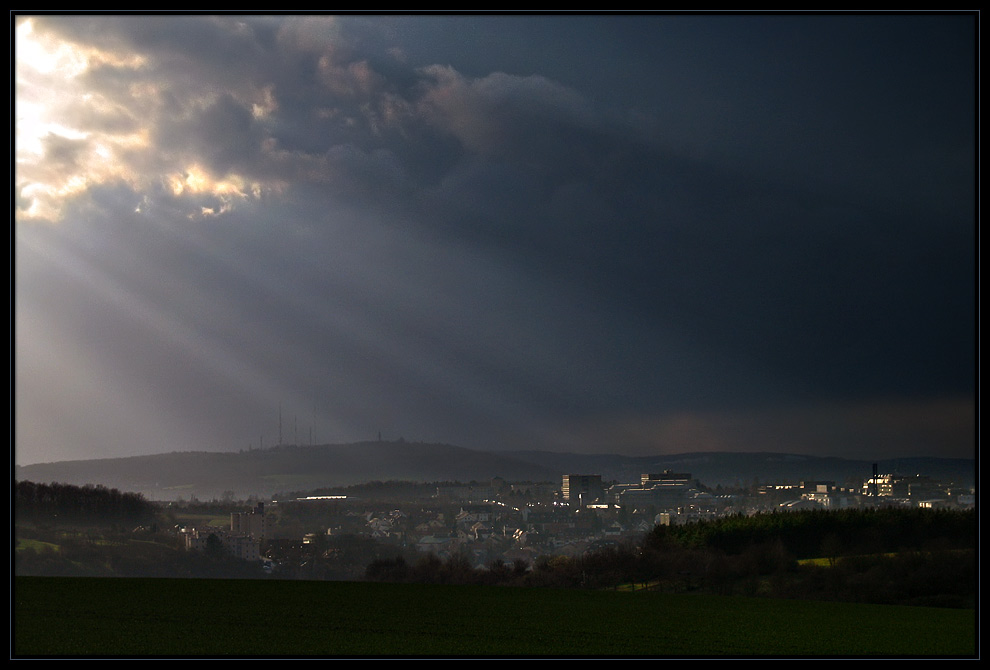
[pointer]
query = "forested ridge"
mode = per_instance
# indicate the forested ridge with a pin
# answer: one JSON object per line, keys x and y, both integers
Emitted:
{"x": 91, "y": 504}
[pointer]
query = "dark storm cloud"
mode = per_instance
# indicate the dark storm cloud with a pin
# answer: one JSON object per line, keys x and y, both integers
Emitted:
{"x": 64, "y": 153}
{"x": 708, "y": 228}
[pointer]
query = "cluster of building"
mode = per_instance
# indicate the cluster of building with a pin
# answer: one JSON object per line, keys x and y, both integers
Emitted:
{"x": 521, "y": 522}
{"x": 918, "y": 490}
{"x": 663, "y": 491}
{"x": 243, "y": 538}
{"x": 880, "y": 489}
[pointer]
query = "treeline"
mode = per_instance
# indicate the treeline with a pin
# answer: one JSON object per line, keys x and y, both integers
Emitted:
{"x": 827, "y": 533}
{"x": 891, "y": 556}
{"x": 91, "y": 504}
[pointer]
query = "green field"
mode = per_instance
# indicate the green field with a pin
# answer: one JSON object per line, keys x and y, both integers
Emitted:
{"x": 200, "y": 520}
{"x": 174, "y": 617}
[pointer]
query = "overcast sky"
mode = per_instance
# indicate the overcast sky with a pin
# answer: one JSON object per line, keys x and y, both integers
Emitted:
{"x": 632, "y": 234}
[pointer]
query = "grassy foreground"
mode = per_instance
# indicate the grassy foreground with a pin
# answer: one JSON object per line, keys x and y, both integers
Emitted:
{"x": 63, "y": 616}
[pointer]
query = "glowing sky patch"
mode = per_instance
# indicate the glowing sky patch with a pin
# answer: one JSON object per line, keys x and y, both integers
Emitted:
{"x": 54, "y": 108}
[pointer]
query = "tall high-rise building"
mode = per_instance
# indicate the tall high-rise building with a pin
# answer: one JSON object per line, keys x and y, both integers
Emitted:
{"x": 252, "y": 523}
{"x": 583, "y": 489}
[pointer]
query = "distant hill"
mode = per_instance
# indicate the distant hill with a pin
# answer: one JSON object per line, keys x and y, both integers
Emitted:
{"x": 264, "y": 472}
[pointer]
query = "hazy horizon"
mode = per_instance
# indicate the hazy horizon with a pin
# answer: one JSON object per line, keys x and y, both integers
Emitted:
{"x": 599, "y": 234}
